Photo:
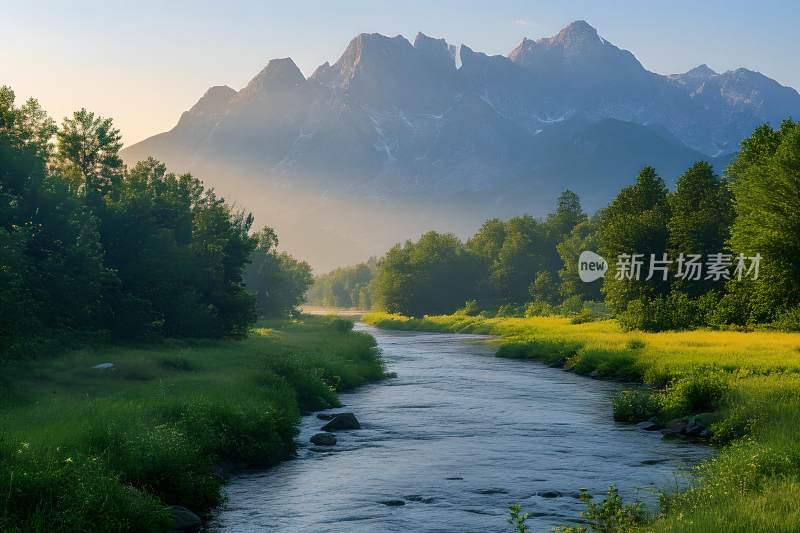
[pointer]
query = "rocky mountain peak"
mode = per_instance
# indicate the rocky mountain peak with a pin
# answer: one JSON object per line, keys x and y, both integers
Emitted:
{"x": 695, "y": 77}
{"x": 213, "y": 103}
{"x": 435, "y": 51}
{"x": 278, "y": 74}
{"x": 214, "y": 99}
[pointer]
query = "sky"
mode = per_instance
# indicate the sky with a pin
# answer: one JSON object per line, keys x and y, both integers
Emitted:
{"x": 145, "y": 62}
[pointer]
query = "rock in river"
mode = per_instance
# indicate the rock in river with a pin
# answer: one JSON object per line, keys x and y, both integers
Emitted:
{"x": 324, "y": 439}
{"x": 342, "y": 421}
{"x": 183, "y": 519}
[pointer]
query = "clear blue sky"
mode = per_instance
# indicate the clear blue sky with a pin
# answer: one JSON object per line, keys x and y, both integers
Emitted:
{"x": 144, "y": 62}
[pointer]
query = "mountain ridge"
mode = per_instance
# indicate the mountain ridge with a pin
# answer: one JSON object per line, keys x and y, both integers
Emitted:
{"x": 401, "y": 127}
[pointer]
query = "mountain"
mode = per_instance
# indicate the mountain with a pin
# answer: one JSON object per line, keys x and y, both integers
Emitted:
{"x": 396, "y": 138}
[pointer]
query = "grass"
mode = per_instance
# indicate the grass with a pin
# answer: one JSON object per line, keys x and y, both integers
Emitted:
{"x": 83, "y": 449}
{"x": 746, "y": 383}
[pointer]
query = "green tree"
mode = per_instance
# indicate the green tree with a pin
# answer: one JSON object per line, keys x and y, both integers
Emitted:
{"x": 567, "y": 215}
{"x": 278, "y": 281}
{"x": 344, "y": 287}
{"x": 635, "y": 223}
{"x": 51, "y": 274}
{"x": 88, "y": 153}
{"x": 701, "y": 212}
{"x": 766, "y": 187}
{"x": 434, "y": 275}
{"x": 582, "y": 238}
{"x": 544, "y": 289}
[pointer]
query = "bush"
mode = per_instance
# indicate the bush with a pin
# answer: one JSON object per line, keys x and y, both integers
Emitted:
{"x": 342, "y": 325}
{"x": 703, "y": 390}
{"x": 591, "y": 311}
{"x": 36, "y": 498}
{"x": 610, "y": 515}
{"x": 535, "y": 308}
{"x": 470, "y": 309}
{"x": 788, "y": 320}
{"x": 572, "y": 305}
{"x": 635, "y": 405}
{"x": 554, "y": 352}
{"x": 675, "y": 311}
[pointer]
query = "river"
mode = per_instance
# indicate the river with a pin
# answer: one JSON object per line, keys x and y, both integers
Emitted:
{"x": 451, "y": 442}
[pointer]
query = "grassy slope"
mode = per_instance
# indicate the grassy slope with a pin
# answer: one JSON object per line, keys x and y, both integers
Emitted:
{"x": 101, "y": 450}
{"x": 754, "y": 483}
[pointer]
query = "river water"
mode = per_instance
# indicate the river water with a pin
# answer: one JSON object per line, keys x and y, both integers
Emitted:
{"x": 451, "y": 442}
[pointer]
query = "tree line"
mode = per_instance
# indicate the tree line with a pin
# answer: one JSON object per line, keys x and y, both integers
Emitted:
{"x": 348, "y": 287}
{"x": 529, "y": 266}
{"x": 90, "y": 248}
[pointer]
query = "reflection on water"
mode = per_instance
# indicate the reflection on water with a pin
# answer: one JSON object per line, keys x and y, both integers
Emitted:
{"x": 450, "y": 443}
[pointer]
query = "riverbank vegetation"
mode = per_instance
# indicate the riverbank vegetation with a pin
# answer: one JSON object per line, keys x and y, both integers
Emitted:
{"x": 717, "y": 251}
{"x": 744, "y": 387}
{"x": 344, "y": 288}
{"x": 143, "y": 272}
{"x": 107, "y": 449}
{"x": 91, "y": 250}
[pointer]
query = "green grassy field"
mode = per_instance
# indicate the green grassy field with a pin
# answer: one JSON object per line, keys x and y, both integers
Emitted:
{"x": 83, "y": 449}
{"x": 747, "y": 383}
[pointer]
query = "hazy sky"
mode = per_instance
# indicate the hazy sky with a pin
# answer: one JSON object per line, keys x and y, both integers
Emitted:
{"x": 144, "y": 62}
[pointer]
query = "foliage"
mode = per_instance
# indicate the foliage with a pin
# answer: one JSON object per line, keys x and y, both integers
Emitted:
{"x": 517, "y": 518}
{"x": 278, "y": 281}
{"x": 635, "y": 405}
{"x": 347, "y": 287}
{"x": 751, "y": 380}
{"x": 789, "y": 320}
{"x": 582, "y": 238}
{"x": 766, "y": 188}
{"x": 544, "y": 289}
{"x": 634, "y": 223}
{"x": 94, "y": 450}
{"x": 611, "y": 515}
{"x": 89, "y": 248}
{"x": 436, "y": 274}
{"x": 701, "y": 212}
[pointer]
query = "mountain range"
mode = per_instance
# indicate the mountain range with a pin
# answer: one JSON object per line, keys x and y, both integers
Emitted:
{"x": 397, "y": 138}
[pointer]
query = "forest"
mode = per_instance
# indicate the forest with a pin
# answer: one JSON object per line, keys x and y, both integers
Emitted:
{"x": 92, "y": 250}
{"x": 525, "y": 266}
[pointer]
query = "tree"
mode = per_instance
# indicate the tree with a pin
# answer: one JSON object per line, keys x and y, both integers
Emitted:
{"x": 88, "y": 153}
{"x": 701, "y": 212}
{"x": 278, "y": 281}
{"x": 634, "y": 223}
{"x": 544, "y": 289}
{"x": 567, "y": 215}
{"x": 582, "y": 238}
{"x": 434, "y": 275}
{"x": 344, "y": 287}
{"x": 766, "y": 186}
{"x": 52, "y": 275}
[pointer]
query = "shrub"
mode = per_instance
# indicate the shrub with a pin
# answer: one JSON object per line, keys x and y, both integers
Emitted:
{"x": 176, "y": 362}
{"x": 572, "y": 305}
{"x": 635, "y": 405}
{"x": 342, "y": 325}
{"x": 789, "y": 320}
{"x": 610, "y": 515}
{"x": 675, "y": 311}
{"x": 553, "y": 352}
{"x": 700, "y": 391}
{"x": 54, "y": 491}
{"x": 511, "y": 310}
{"x": 534, "y": 308}
{"x": 470, "y": 309}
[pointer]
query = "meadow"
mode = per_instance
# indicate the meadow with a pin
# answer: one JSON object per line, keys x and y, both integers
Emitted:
{"x": 87, "y": 449}
{"x": 744, "y": 384}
